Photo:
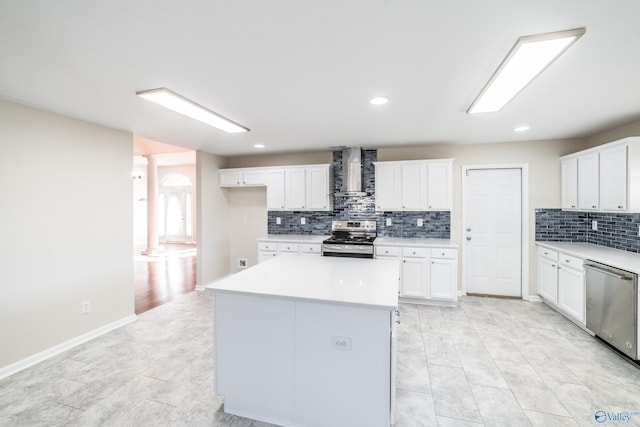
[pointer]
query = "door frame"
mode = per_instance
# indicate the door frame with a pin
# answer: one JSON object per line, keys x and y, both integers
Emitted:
{"x": 524, "y": 229}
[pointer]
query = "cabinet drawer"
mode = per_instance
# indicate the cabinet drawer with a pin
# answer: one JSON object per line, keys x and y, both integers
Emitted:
{"x": 288, "y": 247}
{"x": 415, "y": 252}
{"x": 267, "y": 246}
{"x": 444, "y": 253}
{"x": 548, "y": 253}
{"x": 387, "y": 251}
{"x": 570, "y": 261}
{"x": 311, "y": 248}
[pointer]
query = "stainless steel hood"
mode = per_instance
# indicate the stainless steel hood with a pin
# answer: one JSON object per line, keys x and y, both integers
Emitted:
{"x": 351, "y": 173}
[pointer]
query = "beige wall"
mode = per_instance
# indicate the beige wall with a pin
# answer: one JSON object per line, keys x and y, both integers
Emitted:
{"x": 629, "y": 129}
{"x": 302, "y": 158}
{"x": 247, "y": 222}
{"x": 67, "y": 233}
{"x": 212, "y": 221}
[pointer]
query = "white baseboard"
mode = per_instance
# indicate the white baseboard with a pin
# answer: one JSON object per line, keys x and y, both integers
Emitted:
{"x": 57, "y": 349}
{"x": 533, "y": 298}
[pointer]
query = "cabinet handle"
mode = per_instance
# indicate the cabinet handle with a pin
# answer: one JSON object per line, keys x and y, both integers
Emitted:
{"x": 433, "y": 262}
{"x": 414, "y": 252}
{"x": 567, "y": 261}
{"x": 594, "y": 206}
{"x": 553, "y": 265}
{"x": 404, "y": 260}
{"x": 573, "y": 206}
{"x": 619, "y": 206}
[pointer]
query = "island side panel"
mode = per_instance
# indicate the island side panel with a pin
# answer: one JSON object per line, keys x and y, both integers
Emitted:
{"x": 254, "y": 355}
{"x": 343, "y": 365}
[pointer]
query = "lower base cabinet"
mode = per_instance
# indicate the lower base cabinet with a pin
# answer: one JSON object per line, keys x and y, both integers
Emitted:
{"x": 428, "y": 275}
{"x": 561, "y": 283}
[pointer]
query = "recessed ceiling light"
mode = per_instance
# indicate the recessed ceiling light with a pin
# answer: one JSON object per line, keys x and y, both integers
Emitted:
{"x": 529, "y": 57}
{"x": 187, "y": 107}
{"x": 381, "y": 100}
{"x": 258, "y": 145}
{"x": 522, "y": 128}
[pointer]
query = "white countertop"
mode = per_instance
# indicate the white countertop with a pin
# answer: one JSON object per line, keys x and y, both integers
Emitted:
{"x": 417, "y": 242}
{"x": 369, "y": 282}
{"x": 624, "y": 260}
{"x": 295, "y": 238}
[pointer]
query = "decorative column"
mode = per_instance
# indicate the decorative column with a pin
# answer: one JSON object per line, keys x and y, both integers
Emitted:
{"x": 153, "y": 242}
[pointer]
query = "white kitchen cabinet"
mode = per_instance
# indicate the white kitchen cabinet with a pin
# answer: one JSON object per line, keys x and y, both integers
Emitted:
{"x": 275, "y": 189}
{"x": 388, "y": 187}
{"x": 427, "y": 274}
{"x": 443, "y": 274}
{"x": 247, "y": 177}
{"x": 608, "y": 177}
{"x": 561, "y": 283}
{"x": 569, "y": 173}
{"x": 414, "y": 273}
{"x": 414, "y": 185}
{"x": 571, "y": 287}
{"x": 548, "y": 275}
{"x": 413, "y": 191}
{"x": 275, "y": 246}
{"x": 294, "y": 188}
{"x": 588, "y": 181}
{"x": 439, "y": 185}
{"x": 318, "y": 194}
{"x": 613, "y": 178}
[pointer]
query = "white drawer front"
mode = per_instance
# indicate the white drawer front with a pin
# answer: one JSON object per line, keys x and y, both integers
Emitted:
{"x": 548, "y": 253}
{"x": 387, "y": 251}
{"x": 311, "y": 248}
{"x": 444, "y": 253}
{"x": 267, "y": 246}
{"x": 571, "y": 261}
{"x": 288, "y": 247}
{"x": 415, "y": 252}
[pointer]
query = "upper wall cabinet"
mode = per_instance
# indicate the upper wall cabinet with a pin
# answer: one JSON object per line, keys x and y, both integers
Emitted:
{"x": 414, "y": 185}
{"x": 305, "y": 187}
{"x": 604, "y": 178}
{"x": 245, "y": 177}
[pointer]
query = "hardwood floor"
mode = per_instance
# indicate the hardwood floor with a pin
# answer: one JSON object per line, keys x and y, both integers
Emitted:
{"x": 164, "y": 277}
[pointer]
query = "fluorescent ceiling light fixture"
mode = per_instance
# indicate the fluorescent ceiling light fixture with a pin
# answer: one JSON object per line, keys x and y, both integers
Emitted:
{"x": 522, "y": 128}
{"x": 381, "y": 100}
{"x": 529, "y": 57}
{"x": 187, "y": 107}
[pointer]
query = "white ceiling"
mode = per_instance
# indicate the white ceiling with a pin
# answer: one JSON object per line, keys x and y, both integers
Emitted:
{"x": 299, "y": 73}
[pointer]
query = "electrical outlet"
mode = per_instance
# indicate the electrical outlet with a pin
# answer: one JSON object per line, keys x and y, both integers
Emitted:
{"x": 420, "y": 222}
{"x": 594, "y": 225}
{"x": 86, "y": 306}
{"x": 303, "y": 221}
{"x": 341, "y": 343}
{"x": 388, "y": 221}
{"x": 278, "y": 220}
{"x": 242, "y": 263}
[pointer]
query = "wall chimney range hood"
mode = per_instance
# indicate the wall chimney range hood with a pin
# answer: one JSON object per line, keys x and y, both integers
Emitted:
{"x": 351, "y": 173}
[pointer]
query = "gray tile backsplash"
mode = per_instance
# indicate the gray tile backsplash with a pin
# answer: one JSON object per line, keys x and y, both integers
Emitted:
{"x": 619, "y": 231}
{"x": 404, "y": 224}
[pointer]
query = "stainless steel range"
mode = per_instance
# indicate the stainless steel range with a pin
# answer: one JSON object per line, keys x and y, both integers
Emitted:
{"x": 350, "y": 239}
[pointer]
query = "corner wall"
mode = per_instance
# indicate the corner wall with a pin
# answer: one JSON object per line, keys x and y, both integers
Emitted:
{"x": 67, "y": 229}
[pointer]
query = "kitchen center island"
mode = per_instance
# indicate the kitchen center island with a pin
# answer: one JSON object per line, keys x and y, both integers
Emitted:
{"x": 308, "y": 341}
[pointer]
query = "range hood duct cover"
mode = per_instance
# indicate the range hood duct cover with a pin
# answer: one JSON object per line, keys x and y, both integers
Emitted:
{"x": 351, "y": 173}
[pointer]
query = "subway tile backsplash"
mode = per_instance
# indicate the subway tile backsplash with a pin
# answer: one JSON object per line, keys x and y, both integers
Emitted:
{"x": 619, "y": 231}
{"x": 403, "y": 224}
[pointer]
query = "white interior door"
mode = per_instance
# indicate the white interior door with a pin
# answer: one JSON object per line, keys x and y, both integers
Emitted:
{"x": 493, "y": 231}
{"x": 175, "y": 216}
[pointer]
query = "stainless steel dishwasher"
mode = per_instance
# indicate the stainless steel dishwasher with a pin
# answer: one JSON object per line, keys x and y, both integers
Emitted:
{"x": 612, "y": 306}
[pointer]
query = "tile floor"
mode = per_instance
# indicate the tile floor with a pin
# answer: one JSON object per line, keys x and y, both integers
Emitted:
{"x": 490, "y": 362}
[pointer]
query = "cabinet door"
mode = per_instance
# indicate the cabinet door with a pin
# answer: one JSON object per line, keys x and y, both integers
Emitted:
{"x": 439, "y": 186}
{"x": 294, "y": 188}
{"x": 443, "y": 279}
{"x": 569, "y": 171}
{"x": 613, "y": 178}
{"x": 264, "y": 256}
{"x": 317, "y": 191}
{"x": 230, "y": 178}
{"x": 388, "y": 187}
{"x": 414, "y": 191}
{"x": 253, "y": 177}
{"x": 275, "y": 190}
{"x": 588, "y": 182}
{"x": 414, "y": 278}
{"x": 571, "y": 293}
{"x": 548, "y": 279}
